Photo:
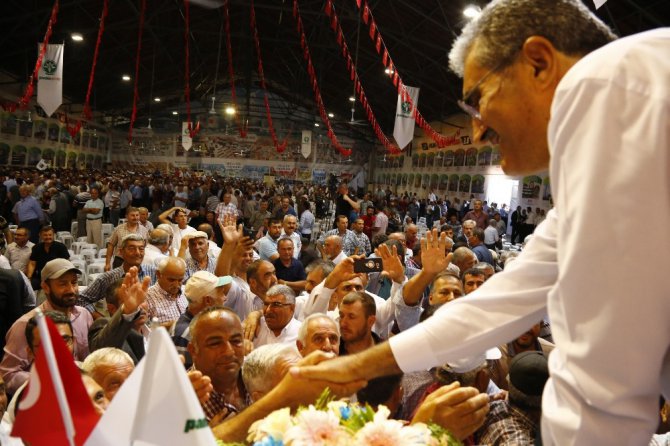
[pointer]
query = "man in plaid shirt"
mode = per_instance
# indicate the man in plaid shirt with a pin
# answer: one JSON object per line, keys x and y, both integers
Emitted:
{"x": 165, "y": 299}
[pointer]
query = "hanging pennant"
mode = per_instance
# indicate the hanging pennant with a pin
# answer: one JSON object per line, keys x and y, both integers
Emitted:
{"x": 306, "y": 144}
{"x": 385, "y": 58}
{"x": 186, "y": 138}
{"x": 378, "y": 46}
{"x": 366, "y": 13}
{"x": 373, "y": 30}
{"x": 50, "y": 79}
{"x": 329, "y": 8}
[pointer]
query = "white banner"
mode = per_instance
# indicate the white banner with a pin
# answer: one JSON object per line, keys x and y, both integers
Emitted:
{"x": 599, "y": 3}
{"x": 403, "y": 131}
{"x": 50, "y": 79}
{"x": 306, "y": 145}
{"x": 186, "y": 140}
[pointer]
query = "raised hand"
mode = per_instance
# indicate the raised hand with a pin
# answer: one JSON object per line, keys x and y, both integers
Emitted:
{"x": 434, "y": 257}
{"x": 132, "y": 292}
{"x": 342, "y": 272}
{"x": 232, "y": 233}
{"x": 392, "y": 265}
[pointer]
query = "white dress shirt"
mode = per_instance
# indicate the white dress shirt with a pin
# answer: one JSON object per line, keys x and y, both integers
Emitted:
{"x": 608, "y": 140}
{"x": 341, "y": 256}
{"x": 266, "y": 336}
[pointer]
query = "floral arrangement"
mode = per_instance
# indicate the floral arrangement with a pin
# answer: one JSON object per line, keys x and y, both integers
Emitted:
{"x": 339, "y": 423}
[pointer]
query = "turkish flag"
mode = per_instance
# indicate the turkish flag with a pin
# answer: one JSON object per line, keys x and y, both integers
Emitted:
{"x": 40, "y": 420}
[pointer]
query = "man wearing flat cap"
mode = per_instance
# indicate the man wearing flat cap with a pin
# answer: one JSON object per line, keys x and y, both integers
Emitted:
{"x": 59, "y": 283}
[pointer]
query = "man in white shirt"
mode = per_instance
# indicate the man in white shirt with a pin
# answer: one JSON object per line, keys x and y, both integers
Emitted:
{"x": 579, "y": 109}
{"x": 278, "y": 324}
{"x": 381, "y": 223}
{"x": 289, "y": 230}
{"x": 157, "y": 248}
{"x": 18, "y": 252}
{"x": 332, "y": 249}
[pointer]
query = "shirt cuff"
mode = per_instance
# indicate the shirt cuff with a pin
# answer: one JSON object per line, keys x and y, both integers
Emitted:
{"x": 132, "y": 316}
{"x": 411, "y": 349}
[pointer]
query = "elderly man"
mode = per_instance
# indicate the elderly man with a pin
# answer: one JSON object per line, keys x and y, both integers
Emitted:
{"x": 289, "y": 270}
{"x": 203, "y": 289}
{"x": 18, "y": 252}
{"x": 28, "y": 213}
{"x": 132, "y": 254}
{"x": 109, "y": 367}
{"x": 93, "y": 209}
{"x": 59, "y": 283}
{"x": 226, "y": 209}
{"x": 165, "y": 299}
{"x": 265, "y": 366}
{"x": 464, "y": 259}
{"x": 290, "y": 230}
{"x": 318, "y": 332}
{"x": 332, "y": 249}
{"x": 157, "y": 248}
{"x": 131, "y": 226}
{"x": 144, "y": 219}
{"x": 582, "y": 104}
{"x": 198, "y": 249}
{"x": 278, "y": 324}
{"x": 217, "y": 349}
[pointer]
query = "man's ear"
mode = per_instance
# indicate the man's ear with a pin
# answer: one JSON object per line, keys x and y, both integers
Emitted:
{"x": 541, "y": 55}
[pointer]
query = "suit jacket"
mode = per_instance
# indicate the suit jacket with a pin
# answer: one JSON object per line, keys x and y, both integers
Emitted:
{"x": 116, "y": 332}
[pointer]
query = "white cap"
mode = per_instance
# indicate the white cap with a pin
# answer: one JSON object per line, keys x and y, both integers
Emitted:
{"x": 464, "y": 365}
{"x": 203, "y": 283}
{"x": 197, "y": 234}
{"x": 56, "y": 268}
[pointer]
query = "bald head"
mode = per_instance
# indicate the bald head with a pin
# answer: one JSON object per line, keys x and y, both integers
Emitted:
{"x": 464, "y": 258}
{"x": 332, "y": 246}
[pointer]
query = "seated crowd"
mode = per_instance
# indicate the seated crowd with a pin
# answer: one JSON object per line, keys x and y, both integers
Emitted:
{"x": 247, "y": 284}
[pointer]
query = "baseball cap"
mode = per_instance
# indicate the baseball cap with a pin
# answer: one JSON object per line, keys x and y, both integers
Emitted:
{"x": 529, "y": 372}
{"x": 203, "y": 283}
{"x": 56, "y": 268}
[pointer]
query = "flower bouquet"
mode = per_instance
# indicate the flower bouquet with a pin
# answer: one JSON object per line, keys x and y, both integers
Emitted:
{"x": 339, "y": 423}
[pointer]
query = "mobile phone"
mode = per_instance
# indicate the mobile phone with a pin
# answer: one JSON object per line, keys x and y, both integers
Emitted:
{"x": 249, "y": 232}
{"x": 372, "y": 265}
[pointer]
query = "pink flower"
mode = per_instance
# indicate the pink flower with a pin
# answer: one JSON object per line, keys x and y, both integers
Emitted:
{"x": 384, "y": 432}
{"x": 314, "y": 427}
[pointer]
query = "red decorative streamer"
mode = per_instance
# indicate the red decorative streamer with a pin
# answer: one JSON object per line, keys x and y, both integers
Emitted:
{"x": 231, "y": 73}
{"x": 192, "y": 130}
{"x": 28, "y": 94}
{"x": 315, "y": 85}
{"x": 351, "y": 67}
{"x": 442, "y": 141}
{"x": 280, "y": 147}
{"x": 136, "y": 93}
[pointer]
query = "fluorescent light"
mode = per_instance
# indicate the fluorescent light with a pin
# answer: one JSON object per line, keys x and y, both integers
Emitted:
{"x": 352, "y": 99}
{"x": 77, "y": 37}
{"x": 230, "y": 110}
{"x": 331, "y": 115}
{"x": 157, "y": 99}
{"x": 125, "y": 78}
{"x": 472, "y": 11}
{"x": 175, "y": 112}
{"x": 316, "y": 124}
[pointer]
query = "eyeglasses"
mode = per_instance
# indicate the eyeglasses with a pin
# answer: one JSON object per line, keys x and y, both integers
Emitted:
{"x": 467, "y": 104}
{"x": 275, "y": 305}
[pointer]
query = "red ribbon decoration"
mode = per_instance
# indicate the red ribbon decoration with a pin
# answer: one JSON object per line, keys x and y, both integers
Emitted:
{"x": 28, "y": 94}
{"x": 192, "y": 130}
{"x": 315, "y": 86}
{"x": 280, "y": 147}
{"x": 136, "y": 93}
{"x": 351, "y": 67}
{"x": 231, "y": 72}
{"x": 442, "y": 141}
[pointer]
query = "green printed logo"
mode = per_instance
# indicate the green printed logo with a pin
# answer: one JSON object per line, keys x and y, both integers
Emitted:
{"x": 50, "y": 67}
{"x": 192, "y": 424}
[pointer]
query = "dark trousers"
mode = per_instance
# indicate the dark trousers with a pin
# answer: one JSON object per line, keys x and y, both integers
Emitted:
{"x": 33, "y": 225}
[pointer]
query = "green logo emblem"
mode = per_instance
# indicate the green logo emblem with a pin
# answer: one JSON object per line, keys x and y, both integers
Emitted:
{"x": 192, "y": 424}
{"x": 406, "y": 107}
{"x": 50, "y": 67}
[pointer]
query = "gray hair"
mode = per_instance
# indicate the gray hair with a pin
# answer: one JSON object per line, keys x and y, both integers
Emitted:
{"x": 283, "y": 290}
{"x": 287, "y": 217}
{"x": 158, "y": 237}
{"x": 132, "y": 238}
{"x": 326, "y": 266}
{"x": 165, "y": 261}
{"x": 259, "y": 366}
{"x": 167, "y": 228}
{"x": 470, "y": 223}
{"x": 504, "y": 25}
{"x": 336, "y": 239}
{"x": 302, "y": 332}
{"x": 106, "y": 355}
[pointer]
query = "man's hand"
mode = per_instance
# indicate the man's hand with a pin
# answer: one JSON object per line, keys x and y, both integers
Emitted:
{"x": 297, "y": 391}
{"x": 107, "y": 267}
{"x": 392, "y": 265}
{"x": 202, "y": 385}
{"x": 342, "y": 272}
{"x": 231, "y": 233}
{"x": 434, "y": 258}
{"x": 461, "y": 410}
{"x": 132, "y": 292}
{"x": 252, "y": 324}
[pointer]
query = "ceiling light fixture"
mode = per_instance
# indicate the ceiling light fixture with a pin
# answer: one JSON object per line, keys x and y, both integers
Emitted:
{"x": 77, "y": 37}
{"x": 230, "y": 110}
{"x": 175, "y": 112}
{"x": 352, "y": 99}
{"x": 125, "y": 78}
{"x": 331, "y": 115}
{"x": 316, "y": 124}
{"x": 157, "y": 99}
{"x": 472, "y": 11}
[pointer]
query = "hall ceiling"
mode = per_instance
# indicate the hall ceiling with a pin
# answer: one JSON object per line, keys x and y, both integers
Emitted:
{"x": 418, "y": 34}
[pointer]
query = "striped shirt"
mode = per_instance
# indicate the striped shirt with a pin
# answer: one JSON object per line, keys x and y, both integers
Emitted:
{"x": 164, "y": 306}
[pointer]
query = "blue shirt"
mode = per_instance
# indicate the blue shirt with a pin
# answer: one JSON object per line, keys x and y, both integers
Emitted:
{"x": 28, "y": 209}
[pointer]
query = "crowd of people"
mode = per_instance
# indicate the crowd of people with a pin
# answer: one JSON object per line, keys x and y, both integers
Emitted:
{"x": 258, "y": 268}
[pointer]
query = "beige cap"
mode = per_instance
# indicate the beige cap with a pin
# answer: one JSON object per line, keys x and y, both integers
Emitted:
{"x": 203, "y": 283}
{"x": 197, "y": 234}
{"x": 56, "y": 268}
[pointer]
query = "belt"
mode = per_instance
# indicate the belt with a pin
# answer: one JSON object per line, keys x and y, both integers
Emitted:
{"x": 90, "y": 219}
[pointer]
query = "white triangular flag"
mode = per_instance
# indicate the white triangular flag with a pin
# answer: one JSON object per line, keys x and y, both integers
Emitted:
{"x": 306, "y": 145}
{"x": 599, "y": 3}
{"x": 186, "y": 140}
{"x": 156, "y": 405}
{"x": 403, "y": 131}
{"x": 50, "y": 79}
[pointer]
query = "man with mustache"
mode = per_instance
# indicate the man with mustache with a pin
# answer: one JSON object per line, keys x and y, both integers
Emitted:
{"x": 59, "y": 283}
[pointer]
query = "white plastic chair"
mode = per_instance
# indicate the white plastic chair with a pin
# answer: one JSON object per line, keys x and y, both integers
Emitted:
{"x": 107, "y": 229}
{"x": 91, "y": 246}
{"x": 95, "y": 268}
{"x": 88, "y": 254}
{"x": 98, "y": 260}
{"x": 83, "y": 239}
{"x": 76, "y": 246}
{"x": 65, "y": 238}
{"x": 74, "y": 227}
{"x": 102, "y": 253}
